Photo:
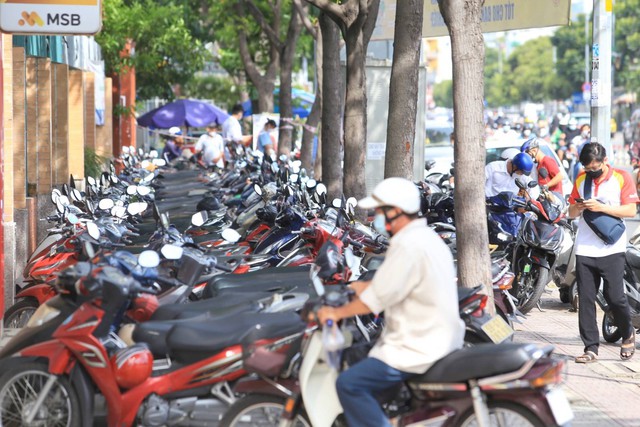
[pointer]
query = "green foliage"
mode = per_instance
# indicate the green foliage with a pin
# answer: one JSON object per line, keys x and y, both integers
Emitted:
{"x": 222, "y": 90}
{"x": 93, "y": 163}
{"x": 569, "y": 43}
{"x": 627, "y": 44}
{"x": 166, "y": 53}
{"x": 496, "y": 84}
{"x": 532, "y": 72}
{"x": 443, "y": 94}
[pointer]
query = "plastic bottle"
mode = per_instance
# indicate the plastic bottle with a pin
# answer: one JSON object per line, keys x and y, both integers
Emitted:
{"x": 333, "y": 343}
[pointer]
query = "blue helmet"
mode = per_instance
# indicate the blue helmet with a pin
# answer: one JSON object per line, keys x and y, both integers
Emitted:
{"x": 522, "y": 162}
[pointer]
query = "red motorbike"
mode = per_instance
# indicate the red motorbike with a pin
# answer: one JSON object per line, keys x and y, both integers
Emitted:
{"x": 53, "y": 382}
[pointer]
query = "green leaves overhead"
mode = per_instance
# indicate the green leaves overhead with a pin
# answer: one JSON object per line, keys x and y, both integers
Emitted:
{"x": 166, "y": 53}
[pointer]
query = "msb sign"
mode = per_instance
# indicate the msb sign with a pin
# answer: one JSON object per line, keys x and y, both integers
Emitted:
{"x": 50, "y": 16}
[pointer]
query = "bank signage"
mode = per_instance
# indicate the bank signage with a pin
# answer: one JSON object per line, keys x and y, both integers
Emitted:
{"x": 50, "y": 16}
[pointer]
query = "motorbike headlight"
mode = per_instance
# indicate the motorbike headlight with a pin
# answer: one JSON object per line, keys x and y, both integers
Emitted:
{"x": 43, "y": 314}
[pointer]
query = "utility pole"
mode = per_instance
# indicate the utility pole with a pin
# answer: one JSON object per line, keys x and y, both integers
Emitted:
{"x": 601, "y": 74}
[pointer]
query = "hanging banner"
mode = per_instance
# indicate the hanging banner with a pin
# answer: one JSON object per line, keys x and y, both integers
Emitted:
{"x": 497, "y": 15}
{"x": 50, "y": 16}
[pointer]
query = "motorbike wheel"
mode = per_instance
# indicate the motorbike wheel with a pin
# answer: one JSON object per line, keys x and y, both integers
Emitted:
{"x": 504, "y": 414}
{"x": 259, "y": 410}
{"x": 18, "y": 315}
{"x": 565, "y": 296}
{"x": 19, "y": 390}
{"x": 610, "y": 331}
{"x": 530, "y": 288}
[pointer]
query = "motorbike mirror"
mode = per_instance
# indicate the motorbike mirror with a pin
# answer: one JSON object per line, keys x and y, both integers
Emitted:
{"x": 149, "y": 177}
{"x": 153, "y": 154}
{"x": 76, "y": 196}
{"x": 230, "y": 235}
{"x": 257, "y": 189}
{"x": 106, "y": 204}
{"x": 131, "y": 190}
{"x": 336, "y": 203}
{"x": 136, "y": 208}
{"x": 274, "y": 167}
{"x": 171, "y": 251}
{"x": 143, "y": 190}
{"x": 125, "y": 149}
{"x": 119, "y": 211}
{"x": 149, "y": 259}
{"x": 159, "y": 162}
{"x": 55, "y": 195}
{"x": 520, "y": 183}
{"x": 145, "y": 164}
{"x": 90, "y": 206}
{"x": 59, "y": 206}
{"x": 91, "y": 180}
{"x": 140, "y": 152}
{"x": 532, "y": 184}
{"x": 93, "y": 230}
{"x": 283, "y": 158}
{"x": 72, "y": 218}
{"x": 429, "y": 164}
{"x": 104, "y": 179}
{"x": 199, "y": 218}
{"x": 311, "y": 183}
{"x": 64, "y": 200}
{"x": 321, "y": 189}
{"x": 351, "y": 204}
{"x": 114, "y": 179}
{"x": 543, "y": 172}
{"x": 293, "y": 178}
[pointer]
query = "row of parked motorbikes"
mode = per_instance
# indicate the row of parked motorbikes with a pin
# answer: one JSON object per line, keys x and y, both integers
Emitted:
{"x": 168, "y": 294}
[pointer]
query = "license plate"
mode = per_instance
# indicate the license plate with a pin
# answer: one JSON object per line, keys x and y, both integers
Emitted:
{"x": 559, "y": 405}
{"x": 497, "y": 329}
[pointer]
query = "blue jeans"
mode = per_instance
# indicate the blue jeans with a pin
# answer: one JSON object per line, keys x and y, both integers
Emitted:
{"x": 358, "y": 386}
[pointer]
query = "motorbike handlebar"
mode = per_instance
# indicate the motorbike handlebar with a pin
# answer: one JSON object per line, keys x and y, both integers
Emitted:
{"x": 170, "y": 281}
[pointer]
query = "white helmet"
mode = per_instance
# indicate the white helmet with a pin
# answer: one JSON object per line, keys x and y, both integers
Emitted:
{"x": 397, "y": 192}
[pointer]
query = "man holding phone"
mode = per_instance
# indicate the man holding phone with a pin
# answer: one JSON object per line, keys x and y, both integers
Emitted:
{"x": 612, "y": 193}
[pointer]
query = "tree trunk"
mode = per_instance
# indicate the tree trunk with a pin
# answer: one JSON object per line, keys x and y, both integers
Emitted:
{"x": 403, "y": 96}
{"x": 331, "y": 107}
{"x": 264, "y": 83}
{"x": 286, "y": 68}
{"x": 308, "y": 134}
{"x": 265, "y": 96}
{"x": 467, "y": 49}
{"x": 317, "y": 167}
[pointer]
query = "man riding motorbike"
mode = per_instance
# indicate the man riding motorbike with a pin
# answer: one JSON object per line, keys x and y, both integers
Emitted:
{"x": 415, "y": 287}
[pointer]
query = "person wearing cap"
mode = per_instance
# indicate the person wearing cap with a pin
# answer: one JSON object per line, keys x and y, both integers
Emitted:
{"x": 500, "y": 176}
{"x": 553, "y": 180}
{"x": 173, "y": 146}
{"x": 416, "y": 289}
{"x": 266, "y": 139}
{"x": 211, "y": 145}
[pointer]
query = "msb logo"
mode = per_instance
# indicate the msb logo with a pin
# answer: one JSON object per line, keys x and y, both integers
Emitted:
{"x": 63, "y": 19}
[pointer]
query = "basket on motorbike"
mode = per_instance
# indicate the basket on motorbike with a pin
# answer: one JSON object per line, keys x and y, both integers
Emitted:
{"x": 269, "y": 356}
{"x": 191, "y": 268}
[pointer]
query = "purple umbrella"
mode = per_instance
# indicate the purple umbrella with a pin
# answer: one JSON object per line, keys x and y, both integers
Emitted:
{"x": 183, "y": 112}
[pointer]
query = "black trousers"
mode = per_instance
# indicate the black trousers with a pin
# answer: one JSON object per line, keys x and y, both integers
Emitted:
{"x": 589, "y": 271}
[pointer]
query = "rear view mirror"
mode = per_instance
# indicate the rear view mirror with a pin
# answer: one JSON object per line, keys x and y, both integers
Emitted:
{"x": 149, "y": 259}
{"x": 125, "y": 149}
{"x": 171, "y": 252}
{"x": 76, "y": 196}
{"x": 149, "y": 177}
{"x": 231, "y": 235}
{"x": 351, "y": 204}
{"x": 72, "y": 218}
{"x": 131, "y": 190}
{"x": 136, "y": 208}
{"x": 293, "y": 178}
{"x": 91, "y": 180}
{"x": 199, "y": 218}
{"x": 336, "y": 203}
{"x": 321, "y": 189}
{"x": 105, "y": 204}
{"x": 532, "y": 184}
{"x": 159, "y": 162}
{"x": 55, "y": 194}
{"x": 153, "y": 154}
{"x": 520, "y": 183}
{"x": 119, "y": 211}
{"x": 311, "y": 183}
{"x": 93, "y": 230}
{"x": 142, "y": 190}
{"x": 257, "y": 189}
{"x": 145, "y": 164}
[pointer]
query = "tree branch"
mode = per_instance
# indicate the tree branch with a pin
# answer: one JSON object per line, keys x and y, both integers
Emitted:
{"x": 250, "y": 67}
{"x": 262, "y": 21}
{"x": 372, "y": 16}
{"x": 333, "y": 10}
{"x": 304, "y": 15}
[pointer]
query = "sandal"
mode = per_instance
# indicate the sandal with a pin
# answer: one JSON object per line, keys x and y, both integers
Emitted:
{"x": 587, "y": 357}
{"x": 628, "y": 347}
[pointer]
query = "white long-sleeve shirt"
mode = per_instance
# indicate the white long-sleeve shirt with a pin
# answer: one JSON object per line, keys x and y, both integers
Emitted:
{"x": 498, "y": 180}
{"x": 416, "y": 288}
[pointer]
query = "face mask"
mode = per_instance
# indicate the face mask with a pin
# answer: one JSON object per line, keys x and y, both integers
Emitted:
{"x": 585, "y": 134}
{"x": 595, "y": 174}
{"x": 380, "y": 224}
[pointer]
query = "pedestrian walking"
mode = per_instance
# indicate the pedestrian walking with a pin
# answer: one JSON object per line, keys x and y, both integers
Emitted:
{"x": 602, "y": 195}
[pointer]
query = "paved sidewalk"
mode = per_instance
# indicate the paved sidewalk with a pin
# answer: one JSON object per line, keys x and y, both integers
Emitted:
{"x": 604, "y": 393}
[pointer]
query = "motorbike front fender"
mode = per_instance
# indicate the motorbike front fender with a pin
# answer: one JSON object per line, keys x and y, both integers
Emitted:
{"x": 41, "y": 292}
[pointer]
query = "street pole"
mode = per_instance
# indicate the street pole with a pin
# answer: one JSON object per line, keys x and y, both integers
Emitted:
{"x": 601, "y": 75}
{"x": 586, "y": 43}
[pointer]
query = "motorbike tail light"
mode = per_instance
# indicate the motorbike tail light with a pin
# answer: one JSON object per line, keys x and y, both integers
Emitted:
{"x": 506, "y": 282}
{"x": 475, "y": 305}
{"x": 553, "y": 375}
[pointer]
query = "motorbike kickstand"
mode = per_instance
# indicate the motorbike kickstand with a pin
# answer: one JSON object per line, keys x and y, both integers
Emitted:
{"x": 539, "y": 307}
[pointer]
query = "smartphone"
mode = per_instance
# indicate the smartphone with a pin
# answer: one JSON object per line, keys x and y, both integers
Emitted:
{"x": 579, "y": 200}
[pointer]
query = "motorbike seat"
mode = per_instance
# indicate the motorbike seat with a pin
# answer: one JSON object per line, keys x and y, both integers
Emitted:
{"x": 277, "y": 279}
{"x": 633, "y": 257}
{"x": 192, "y": 342}
{"x": 230, "y": 304}
{"x": 480, "y": 361}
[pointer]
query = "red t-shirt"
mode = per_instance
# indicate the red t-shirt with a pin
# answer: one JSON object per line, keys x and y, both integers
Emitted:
{"x": 553, "y": 169}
